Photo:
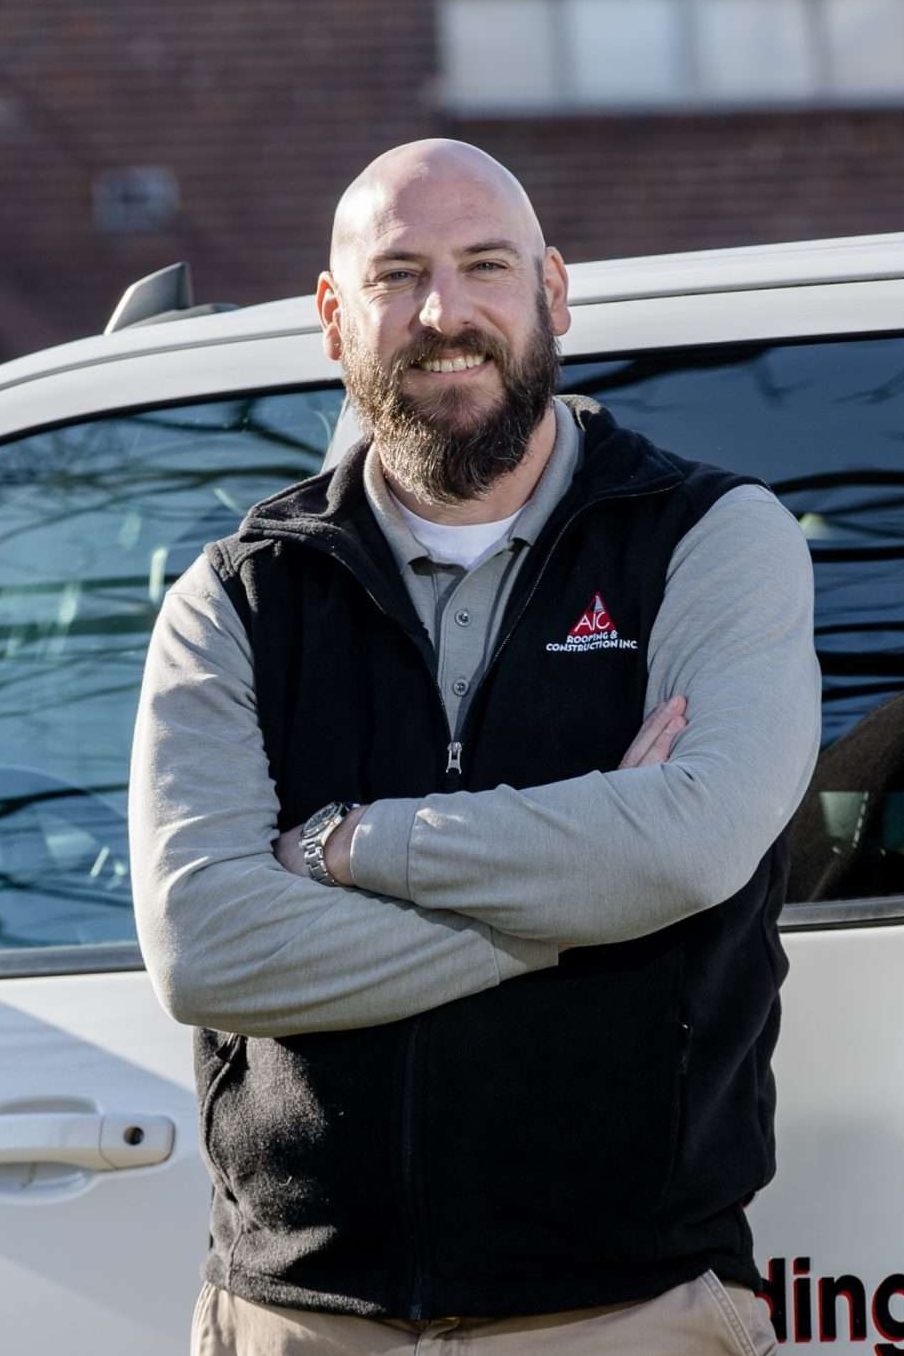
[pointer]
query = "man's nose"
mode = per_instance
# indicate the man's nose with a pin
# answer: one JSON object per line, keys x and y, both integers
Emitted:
{"x": 446, "y": 307}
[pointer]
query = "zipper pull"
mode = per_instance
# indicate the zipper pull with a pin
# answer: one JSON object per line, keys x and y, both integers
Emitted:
{"x": 454, "y": 763}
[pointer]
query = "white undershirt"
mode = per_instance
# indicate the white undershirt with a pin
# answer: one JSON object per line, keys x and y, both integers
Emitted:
{"x": 454, "y": 543}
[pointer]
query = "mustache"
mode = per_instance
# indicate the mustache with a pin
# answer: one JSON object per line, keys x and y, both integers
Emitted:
{"x": 429, "y": 347}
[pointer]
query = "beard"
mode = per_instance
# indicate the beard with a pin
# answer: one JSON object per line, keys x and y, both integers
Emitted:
{"x": 438, "y": 447}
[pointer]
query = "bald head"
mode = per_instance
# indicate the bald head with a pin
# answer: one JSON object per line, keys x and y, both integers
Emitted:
{"x": 425, "y": 178}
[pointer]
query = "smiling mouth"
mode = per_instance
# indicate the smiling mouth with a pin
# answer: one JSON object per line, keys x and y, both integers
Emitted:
{"x": 463, "y": 363}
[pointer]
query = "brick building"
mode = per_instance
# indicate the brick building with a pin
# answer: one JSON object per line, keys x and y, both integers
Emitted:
{"x": 224, "y": 134}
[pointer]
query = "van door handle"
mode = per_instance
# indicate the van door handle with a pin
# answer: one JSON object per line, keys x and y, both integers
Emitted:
{"x": 83, "y": 1140}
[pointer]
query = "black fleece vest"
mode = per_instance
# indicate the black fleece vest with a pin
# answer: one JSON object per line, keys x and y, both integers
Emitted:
{"x": 578, "y": 1136}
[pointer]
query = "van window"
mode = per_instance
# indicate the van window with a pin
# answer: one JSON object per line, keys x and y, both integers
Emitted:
{"x": 823, "y": 424}
{"x": 96, "y": 520}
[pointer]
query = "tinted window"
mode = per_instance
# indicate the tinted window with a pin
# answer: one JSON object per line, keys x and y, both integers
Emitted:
{"x": 823, "y": 423}
{"x": 96, "y": 519}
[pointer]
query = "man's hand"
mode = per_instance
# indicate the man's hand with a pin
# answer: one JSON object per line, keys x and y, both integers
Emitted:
{"x": 337, "y": 853}
{"x": 653, "y": 741}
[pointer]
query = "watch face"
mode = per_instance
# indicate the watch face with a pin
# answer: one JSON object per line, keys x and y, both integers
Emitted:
{"x": 320, "y": 819}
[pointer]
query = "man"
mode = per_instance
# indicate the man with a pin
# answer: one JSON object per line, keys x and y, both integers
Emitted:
{"x": 486, "y": 992}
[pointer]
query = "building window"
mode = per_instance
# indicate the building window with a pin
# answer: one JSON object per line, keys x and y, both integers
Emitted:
{"x": 753, "y": 51}
{"x": 568, "y": 55}
{"x": 866, "y": 47}
{"x": 475, "y": 36}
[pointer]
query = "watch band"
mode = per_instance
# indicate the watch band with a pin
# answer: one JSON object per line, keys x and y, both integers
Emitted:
{"x": 314, "y": 834}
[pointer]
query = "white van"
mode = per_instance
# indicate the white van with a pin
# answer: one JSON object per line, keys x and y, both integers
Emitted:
{"x": 121, "y": 454}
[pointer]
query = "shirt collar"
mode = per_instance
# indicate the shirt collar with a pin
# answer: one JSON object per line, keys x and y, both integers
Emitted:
{"x": 403, "y": 543}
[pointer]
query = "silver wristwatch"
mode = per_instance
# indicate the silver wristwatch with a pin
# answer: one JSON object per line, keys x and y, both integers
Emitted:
{"x": 314, "y": 833}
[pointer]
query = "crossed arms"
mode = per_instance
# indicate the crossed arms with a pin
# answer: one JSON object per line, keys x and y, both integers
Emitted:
{"x": 650, "y": 746}
{"x": 457, "y": 893}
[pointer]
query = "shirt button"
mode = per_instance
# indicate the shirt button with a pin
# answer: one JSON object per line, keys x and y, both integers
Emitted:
{"x": 460, "y": 686}
{"x": 463, "y": 617}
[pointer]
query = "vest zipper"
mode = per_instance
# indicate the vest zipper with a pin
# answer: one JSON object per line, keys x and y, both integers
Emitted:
{"x": 454, "y": 752}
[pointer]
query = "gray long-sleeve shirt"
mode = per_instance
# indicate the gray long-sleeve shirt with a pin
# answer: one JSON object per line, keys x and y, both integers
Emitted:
{"x": 463, "y": 891}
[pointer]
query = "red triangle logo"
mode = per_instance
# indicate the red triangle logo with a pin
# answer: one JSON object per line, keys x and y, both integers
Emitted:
{"x": 594, "y": 620}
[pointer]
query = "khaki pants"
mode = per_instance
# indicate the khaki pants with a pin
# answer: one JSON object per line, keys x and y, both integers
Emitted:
{"x": 702, "y": 1318}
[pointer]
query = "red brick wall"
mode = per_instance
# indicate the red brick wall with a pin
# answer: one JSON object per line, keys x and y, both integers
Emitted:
{"x": 265, "y": 110}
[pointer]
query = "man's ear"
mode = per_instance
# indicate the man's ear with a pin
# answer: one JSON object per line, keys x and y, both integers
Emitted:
{"x": 329, "y": 309}
{"x": 555, "y": 284}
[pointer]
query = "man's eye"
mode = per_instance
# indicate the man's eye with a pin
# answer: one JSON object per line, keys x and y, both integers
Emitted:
{"x": 396, "y": 275}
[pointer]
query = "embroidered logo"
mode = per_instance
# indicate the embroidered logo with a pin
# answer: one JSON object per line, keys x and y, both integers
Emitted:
{"x": 593, "y": 630}
{"x": 594, "y": 619}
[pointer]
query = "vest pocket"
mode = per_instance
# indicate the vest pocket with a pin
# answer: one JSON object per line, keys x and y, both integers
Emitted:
{"x": 221, "y": 1063}
{"x": 685, "y": 1036}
